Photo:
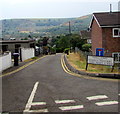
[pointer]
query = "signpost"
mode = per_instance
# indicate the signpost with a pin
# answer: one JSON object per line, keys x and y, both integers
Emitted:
{"x": 99, "y": 51}
{"x": 116, "y": 57}
{"x": 108, "y": 61}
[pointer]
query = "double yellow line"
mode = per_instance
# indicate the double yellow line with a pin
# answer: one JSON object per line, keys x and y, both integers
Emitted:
{"x": 22, "y": 67}
{"x": 65, "y": 68}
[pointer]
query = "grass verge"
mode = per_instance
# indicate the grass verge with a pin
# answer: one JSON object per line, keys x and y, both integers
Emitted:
{"x": 79, "y": 62}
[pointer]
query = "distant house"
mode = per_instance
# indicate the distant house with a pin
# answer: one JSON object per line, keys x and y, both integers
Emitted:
{"x": 14, "y": 45}
{"x": 105, "y": 32}
{"x": 86, "y": 35}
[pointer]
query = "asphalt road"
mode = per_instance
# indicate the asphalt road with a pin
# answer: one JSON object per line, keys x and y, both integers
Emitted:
{"x": 45, "y": 87}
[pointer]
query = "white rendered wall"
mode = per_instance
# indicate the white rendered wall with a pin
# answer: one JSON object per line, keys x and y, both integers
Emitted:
{"x": 27, "y": 53}
{"x": 5, "y": 61}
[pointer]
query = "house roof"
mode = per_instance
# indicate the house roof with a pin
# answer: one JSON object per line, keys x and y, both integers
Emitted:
{"x": 16, "y": 41}
{"x": 85, "y": 34}
{"x": 107, "y": 19}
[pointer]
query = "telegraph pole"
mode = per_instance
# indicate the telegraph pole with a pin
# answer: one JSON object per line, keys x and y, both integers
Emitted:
{"x": 70, "y": 35}
{"x": 69, "y": 28}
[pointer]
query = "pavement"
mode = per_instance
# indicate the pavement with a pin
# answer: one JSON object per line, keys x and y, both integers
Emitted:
{"x": 21, "y": 65}
{"x": 16, "y": 67}
{"x": 47, "y": 85}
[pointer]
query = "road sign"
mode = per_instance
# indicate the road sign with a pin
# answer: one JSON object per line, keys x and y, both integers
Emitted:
{"x": 99, "y": 51}
{"x": 108, "y": 61}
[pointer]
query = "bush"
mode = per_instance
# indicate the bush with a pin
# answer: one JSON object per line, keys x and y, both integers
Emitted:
{"x": 59, "y": 50}
{"x": 86, "y": 47}
{"x": 53, "y": 50}
{"x": 66, "y": 50}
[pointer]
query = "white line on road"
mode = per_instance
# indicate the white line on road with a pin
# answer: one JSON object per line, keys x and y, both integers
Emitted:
{"x": 106, "y": 103}
{"x": 97, "y": 97}
{"x": 119, "y": 94}
{"x": 28, "y": 105}
{"x": 38, "y": 111}
{"x": 38, "y": 103}
{"x": 64, "y": 101}
{"x": 71, "y": 107}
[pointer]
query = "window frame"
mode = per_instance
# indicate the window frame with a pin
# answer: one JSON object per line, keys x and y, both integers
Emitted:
{"x": 118, "y": 32}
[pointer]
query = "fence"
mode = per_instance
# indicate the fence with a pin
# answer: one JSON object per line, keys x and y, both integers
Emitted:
{"x": 5, "y": 61}
{"x": 115, "y": 55}
{"x": 27, "y": 53}
{"x": 82, "y": 53}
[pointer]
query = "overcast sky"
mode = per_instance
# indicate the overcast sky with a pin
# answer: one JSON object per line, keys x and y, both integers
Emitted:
{"x": 10, "y": 9}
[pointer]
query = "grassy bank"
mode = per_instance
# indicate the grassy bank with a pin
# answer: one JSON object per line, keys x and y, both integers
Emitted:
{"x": 79, "y": 62}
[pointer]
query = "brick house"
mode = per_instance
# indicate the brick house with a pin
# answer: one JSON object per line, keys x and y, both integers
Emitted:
{"x": 105, "y": 32}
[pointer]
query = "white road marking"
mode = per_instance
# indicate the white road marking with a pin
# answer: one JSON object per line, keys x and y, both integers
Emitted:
{"x": 38, "y": 103}
{"x": 64, "y": 101}
{"x": 28, "y": 105}
{"x": 38, "y": 111}
{"x": 71, "y": 107}
{"x": 119, "y": 94}
{"x": 106, "y": 103}
{"x": 97, "y": 97}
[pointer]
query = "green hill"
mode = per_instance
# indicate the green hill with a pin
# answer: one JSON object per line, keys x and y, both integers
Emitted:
{"x": 43, "y": 27}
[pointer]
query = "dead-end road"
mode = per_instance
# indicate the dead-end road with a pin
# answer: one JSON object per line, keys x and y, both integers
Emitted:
{"x": 47, "y": 86}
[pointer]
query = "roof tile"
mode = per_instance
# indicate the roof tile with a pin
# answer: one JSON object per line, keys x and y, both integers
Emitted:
{"x": 108, "y": 18}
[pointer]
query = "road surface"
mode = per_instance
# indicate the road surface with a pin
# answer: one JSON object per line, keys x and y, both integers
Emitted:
{"x": 44, "y": 86}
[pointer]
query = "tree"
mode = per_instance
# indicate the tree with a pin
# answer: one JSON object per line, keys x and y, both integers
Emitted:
{"x": 68, "y": 41}
{"x": 63, "y": 42}
{"x": 76, "y": 41}
{"x": 45, "y": 41}
{"x": 29, "y": 36}
{"x": 86, "y": 47}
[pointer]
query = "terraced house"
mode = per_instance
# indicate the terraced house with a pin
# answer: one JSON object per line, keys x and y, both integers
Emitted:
{"x": 105, "y": 32}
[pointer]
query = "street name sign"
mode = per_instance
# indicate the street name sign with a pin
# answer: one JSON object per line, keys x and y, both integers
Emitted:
{"x": 97, "y": 60}
{"x": 109, "y": 61}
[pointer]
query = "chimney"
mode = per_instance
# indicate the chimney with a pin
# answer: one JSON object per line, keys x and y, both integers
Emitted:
{"x": 119, "y": 6}
{"x": 110, "y": 8}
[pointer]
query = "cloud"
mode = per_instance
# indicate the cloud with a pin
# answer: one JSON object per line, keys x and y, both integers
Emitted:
{"x": 13, "y": 2}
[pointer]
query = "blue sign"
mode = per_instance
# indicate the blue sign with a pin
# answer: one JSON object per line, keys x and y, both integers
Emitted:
{"x": 99, "y": 51}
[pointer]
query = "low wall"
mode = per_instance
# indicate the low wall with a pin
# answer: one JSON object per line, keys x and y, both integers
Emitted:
{"x": 27, "y": 53}
{"x": 5, "y": 61}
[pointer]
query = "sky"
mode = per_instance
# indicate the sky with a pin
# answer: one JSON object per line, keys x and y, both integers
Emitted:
{"x": 11, "y": 9}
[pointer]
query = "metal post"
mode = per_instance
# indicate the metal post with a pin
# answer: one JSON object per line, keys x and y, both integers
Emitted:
{"x": 87, "y": 62}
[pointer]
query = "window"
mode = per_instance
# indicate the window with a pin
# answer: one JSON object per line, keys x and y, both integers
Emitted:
{"x": 4, "y": 48}
{"x": 116, "y": 32}
{"x": 17, "y": 46}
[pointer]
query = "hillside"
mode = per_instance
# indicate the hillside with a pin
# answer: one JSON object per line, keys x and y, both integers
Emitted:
{"x": 43, "y": 27}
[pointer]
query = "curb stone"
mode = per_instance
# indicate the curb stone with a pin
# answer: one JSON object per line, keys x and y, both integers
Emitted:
{"x": 102, "y": 75}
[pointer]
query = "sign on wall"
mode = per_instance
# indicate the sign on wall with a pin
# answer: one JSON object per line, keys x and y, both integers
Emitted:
{"x": 99, "y": 51}
{"x": 108, "y": 61}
